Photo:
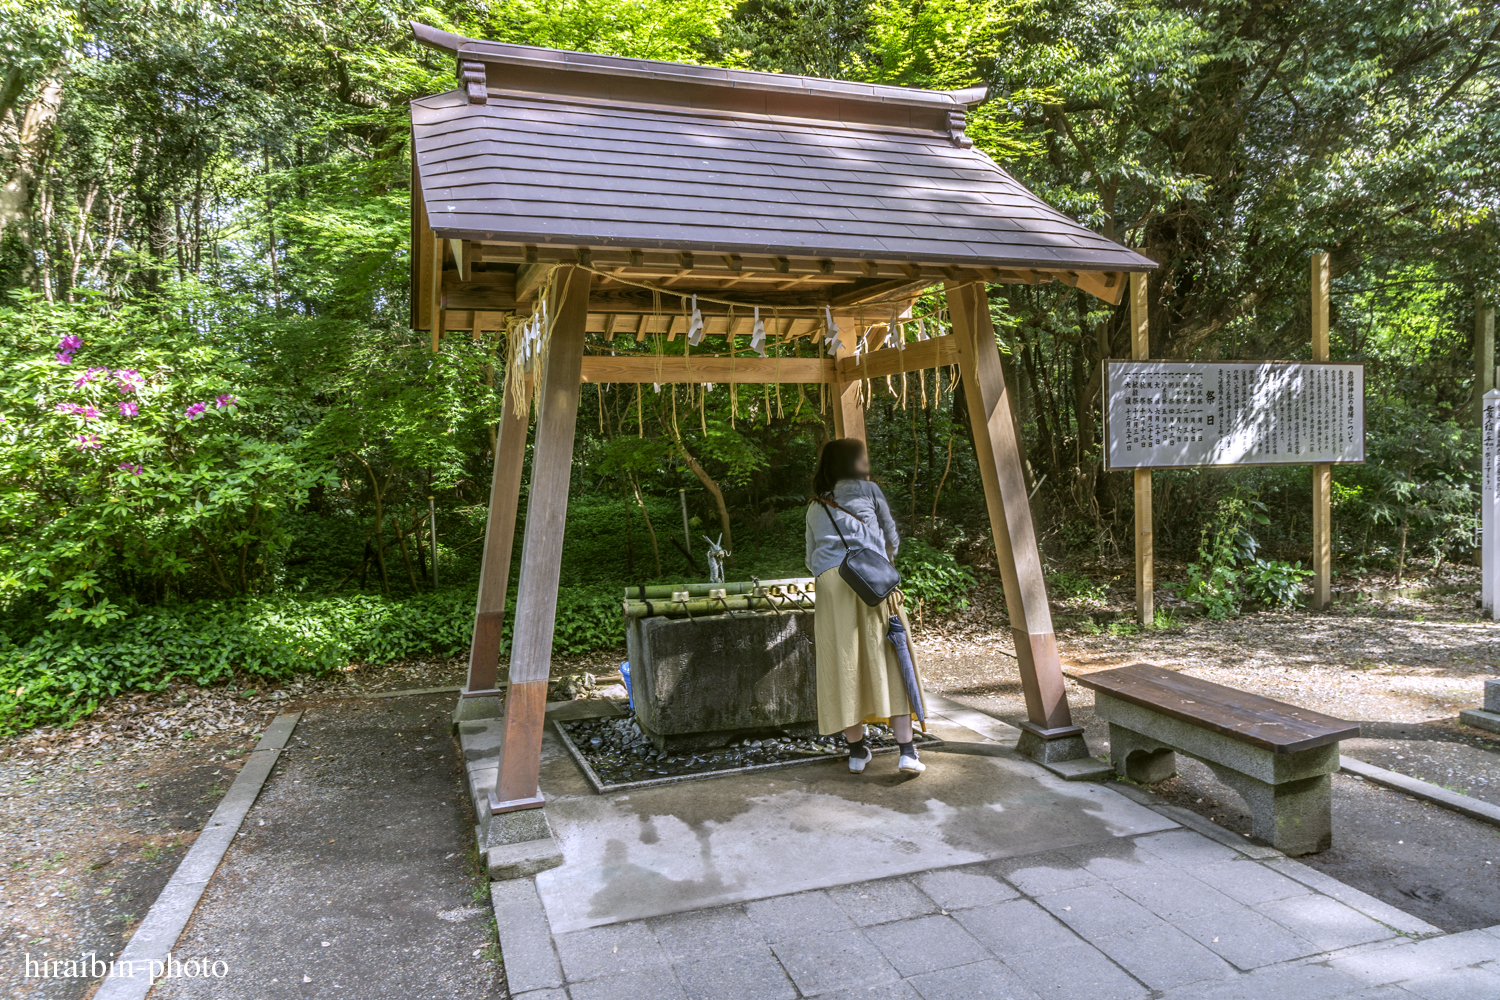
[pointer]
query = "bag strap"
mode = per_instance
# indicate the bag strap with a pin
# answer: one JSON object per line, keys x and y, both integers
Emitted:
{"x": 834, "y": 521}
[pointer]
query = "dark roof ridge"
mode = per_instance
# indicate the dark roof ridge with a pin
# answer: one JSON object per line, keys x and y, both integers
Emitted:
{"x": 506, "y": 53}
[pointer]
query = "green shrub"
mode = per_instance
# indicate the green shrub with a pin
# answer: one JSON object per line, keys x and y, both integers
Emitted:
{"x": 933, "y": 576}
{"x": 1275, "y": 581}
{"x": 61, "y": 674}
{"x": 1077, "y": 587}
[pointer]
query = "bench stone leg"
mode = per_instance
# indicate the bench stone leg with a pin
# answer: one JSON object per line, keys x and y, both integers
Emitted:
{"x": 1295, "y": 817}
{"x": 1140, "y": 758}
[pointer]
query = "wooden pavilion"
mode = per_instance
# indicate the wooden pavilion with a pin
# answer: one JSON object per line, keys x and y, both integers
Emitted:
{"x": 561, "y": 194}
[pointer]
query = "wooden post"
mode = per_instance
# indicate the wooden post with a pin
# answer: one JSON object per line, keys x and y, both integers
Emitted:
{"x": 435, "y": 292}
{"x": 494, "y": 568}
{"x": 1049, "y": 733}
{"x": 848, "y": 411}
{"x": 1322, "y": 475}
{"x": 1145, "y": 551}
{"x": 1484, "y": 355}
{"x": 541, "y": 550}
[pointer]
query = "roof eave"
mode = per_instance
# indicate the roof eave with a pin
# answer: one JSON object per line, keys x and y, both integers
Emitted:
{"x": 506, "y": 53}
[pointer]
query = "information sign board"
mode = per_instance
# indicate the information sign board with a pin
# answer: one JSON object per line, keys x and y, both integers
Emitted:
{"x": 1174, "y": 414}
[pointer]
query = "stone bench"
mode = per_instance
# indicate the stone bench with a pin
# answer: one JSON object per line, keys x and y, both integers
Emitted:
{"x": 1277, "y": 756}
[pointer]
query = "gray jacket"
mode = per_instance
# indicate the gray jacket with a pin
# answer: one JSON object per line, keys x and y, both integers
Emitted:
{"x": 865, "y": 520}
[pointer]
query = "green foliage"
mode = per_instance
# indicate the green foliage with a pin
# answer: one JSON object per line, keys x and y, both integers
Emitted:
{"x": 1074, "y": 586}
{"x": 1229, "y": 569}
{"x": 135, "y": 454}
{"x": 1275, "y": 581}
{"x": 933, "y": 576}
{"x": 62, "y": 673}
{"x": 1214, "y": 578}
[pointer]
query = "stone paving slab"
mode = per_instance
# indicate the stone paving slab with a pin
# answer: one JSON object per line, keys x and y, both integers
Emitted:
{"x": 994, "y": 879}
{"x": 664, "y": 850}
{"x": 1129, "y": 919}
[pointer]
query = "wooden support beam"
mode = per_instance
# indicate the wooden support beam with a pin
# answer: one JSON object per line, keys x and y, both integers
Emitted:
{"x": 1145, "y": 540}
{"x": 529, "y": 278}
{"x": 999, "y": 449}
{"x": 461, "y": 258}
{"x": 916, "y": 357}
{"x": 1106, "y": 285}
{"x": 848, "y": 409}
{"x": 1322, "y": 475}
{"x": 667, "y": 368}
{"x": 896, "y": 288}
{"x": 434, "y": 287}
{"x": 491, "y": 291}
{"x": 499, "y": 537}
{"x": 541, "y": 551}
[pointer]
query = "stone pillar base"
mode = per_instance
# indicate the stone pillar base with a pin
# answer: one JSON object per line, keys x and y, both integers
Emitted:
{"x": 1051, "y": 747}
{"x": 471, "y": 708}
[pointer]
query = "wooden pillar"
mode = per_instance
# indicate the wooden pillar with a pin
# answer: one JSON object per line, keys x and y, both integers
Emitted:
{"x": 435, "y": 292}
{"x": 541, "y": 550}
{"x": 998, "y": 444}
{"x": 1322, "y": 474}
{"x": 848, "y": 408}
{"x": 1484, "y": 355}
{"x": 1145, "y": 550}
{"x": 499, "y": 539}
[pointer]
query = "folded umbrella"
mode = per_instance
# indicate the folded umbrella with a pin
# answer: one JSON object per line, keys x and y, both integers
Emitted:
{"x": 896, "y": 634}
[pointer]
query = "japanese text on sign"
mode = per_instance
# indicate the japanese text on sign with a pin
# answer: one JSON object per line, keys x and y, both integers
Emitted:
{"x": 1164, "y": 414}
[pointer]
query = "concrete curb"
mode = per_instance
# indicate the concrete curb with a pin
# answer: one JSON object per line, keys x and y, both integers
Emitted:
{"x": 1417, "y": 788}
{"x": 151, "y": 945}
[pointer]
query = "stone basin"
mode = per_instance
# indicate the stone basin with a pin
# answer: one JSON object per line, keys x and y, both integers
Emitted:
{"x": 700, "y": 682}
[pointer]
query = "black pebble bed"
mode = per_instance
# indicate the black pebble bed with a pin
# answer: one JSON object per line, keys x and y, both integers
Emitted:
{"x": 620, "y": 753}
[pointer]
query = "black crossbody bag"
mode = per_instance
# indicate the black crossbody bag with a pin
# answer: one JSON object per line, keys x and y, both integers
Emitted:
{"x": 867, "y": 572}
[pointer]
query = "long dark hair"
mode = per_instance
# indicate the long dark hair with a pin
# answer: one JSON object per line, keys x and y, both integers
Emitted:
{"x": 835, "y": 462}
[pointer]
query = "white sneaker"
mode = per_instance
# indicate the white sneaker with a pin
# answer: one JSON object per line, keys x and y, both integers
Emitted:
{"x": 910, "y": 764}
{"x": 857, "y": 764}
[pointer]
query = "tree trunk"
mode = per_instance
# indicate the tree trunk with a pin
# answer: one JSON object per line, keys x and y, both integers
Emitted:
{"x": 411, "y": 576}
{"x": 640, "y": 501}
{"x": 713, "y": 489}
{"x": 36, "y": 126}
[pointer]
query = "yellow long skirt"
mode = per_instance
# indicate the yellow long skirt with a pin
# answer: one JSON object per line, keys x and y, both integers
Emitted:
{"x": 859, "y": 679}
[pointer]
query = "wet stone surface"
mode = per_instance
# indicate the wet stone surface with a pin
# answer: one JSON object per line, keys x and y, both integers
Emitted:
{"x": 620, "y": 754}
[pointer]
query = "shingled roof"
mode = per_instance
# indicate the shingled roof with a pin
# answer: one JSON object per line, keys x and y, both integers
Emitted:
{"x": 542, "y": 147}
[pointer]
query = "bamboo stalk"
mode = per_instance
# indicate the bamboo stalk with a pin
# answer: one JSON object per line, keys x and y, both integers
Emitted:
{"x": 663, "y": 592}
{"x": 721, "y": 605}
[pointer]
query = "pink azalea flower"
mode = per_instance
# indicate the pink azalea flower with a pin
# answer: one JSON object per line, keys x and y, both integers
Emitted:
{"x": 85, "y": 442}
{"x": 129, "y": 379}
{"x": 134, "y": 470}
{"x": 128, "y": 409}
{"x": 88, "y": 413}
{"x": 195, "y": 411}
{"x": 70, "y": 343}
{"x": 88, "y": 377}
{"x": 225, "y": 400}
{"x": 66, "y": 408}
{"x": 64, "y": 358}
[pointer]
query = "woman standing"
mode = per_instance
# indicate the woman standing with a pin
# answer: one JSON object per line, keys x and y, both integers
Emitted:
{"x": 859, "y": 679}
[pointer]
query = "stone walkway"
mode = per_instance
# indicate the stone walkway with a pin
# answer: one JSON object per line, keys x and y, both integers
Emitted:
{"x": 1112, "y": 907}
{"x": 1173, "y": 915}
